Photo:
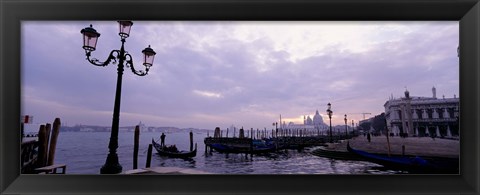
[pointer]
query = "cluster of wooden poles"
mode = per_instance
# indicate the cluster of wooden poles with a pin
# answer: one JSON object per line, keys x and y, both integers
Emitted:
{"x": 264, "y": 134}
{"x": 136, "y": 141}
{"x": 43, "y": 162}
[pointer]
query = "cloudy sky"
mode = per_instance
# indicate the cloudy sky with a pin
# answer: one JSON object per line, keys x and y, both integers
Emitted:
{"x": 209, "y": 74}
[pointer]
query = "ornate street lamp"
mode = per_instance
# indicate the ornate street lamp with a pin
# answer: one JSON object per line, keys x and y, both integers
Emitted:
{"x": 346, "y": 133}
{"x": 90, "y": 37}
{"x": 353, "y": 129}
{"x": 330, "y": 112}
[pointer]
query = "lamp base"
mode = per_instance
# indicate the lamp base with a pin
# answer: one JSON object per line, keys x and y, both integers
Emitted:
{"x": 111, "y": 165}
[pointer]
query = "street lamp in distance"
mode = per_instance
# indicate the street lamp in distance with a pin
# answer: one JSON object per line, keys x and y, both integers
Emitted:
{"x": 346, "y": 131}
{"x": 353, "y": 129}
{"x": 330, "y": 112}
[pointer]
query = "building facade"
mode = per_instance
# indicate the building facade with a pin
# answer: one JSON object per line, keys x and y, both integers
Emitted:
{"x": 308, "y": 123}
{"x": 423, "y": 116}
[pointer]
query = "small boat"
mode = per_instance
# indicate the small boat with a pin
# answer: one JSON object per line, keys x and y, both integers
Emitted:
{"x": 163, "y": 151}
{"x": 412, "y": 164}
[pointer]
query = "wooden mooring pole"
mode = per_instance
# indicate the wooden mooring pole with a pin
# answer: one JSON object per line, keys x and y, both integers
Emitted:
{"x": 48, "y": 130}
{"x": 191, "y": 141}
{"x": 251, "y": 148}
{"x": 136, "y": 140}
{"x": 53, "y": 141}
{"x": 388, "y": 143}
{"x": 149, "y": 156}
{"x": 241, "y": 133}
{"x": 42, "y": 147}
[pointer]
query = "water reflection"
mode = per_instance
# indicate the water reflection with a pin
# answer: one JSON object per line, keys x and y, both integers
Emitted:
{"x": 163, "y": 161}
{"x": 332, "y": 165}
{"x": 88, "y": 159}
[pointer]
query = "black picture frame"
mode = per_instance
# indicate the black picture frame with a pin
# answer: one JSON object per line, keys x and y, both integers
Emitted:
{"x": 13, "y": 12}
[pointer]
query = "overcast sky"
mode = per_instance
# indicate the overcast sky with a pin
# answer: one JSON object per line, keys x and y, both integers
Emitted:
{"x": 209, "y": 74}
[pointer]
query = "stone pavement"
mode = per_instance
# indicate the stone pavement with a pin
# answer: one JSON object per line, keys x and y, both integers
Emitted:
{"x": 416, "y": 146}
{"x": 164, "y": 171}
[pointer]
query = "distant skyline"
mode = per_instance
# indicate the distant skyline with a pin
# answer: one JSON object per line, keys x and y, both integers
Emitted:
{"x": 242, "y": 73}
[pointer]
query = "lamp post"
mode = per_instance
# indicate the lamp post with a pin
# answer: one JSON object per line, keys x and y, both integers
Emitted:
{"x": 330, "y": 112}
{"x": 353, "y": 129}
{"x": 346, "y": 131}
{"x": 90, "y": 37}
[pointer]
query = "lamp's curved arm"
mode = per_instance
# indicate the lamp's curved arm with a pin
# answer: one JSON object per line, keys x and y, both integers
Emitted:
{"x": 129, "y": 63}
{"x": 111, "y": 57}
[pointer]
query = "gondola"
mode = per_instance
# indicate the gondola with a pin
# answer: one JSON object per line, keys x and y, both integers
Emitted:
{"x": 180, "y": 154}
{"x": 257, "y": 148}
{"x": 412, "y": 164}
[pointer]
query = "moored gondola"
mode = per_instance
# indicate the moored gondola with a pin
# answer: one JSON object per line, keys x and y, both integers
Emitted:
{"x": 257, "y": 147}
{"x": 412, "y": 164}
{"x": 165, "y": 151}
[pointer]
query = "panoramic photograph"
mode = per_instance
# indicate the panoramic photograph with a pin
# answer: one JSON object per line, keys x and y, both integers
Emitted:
{"x": 240, "y": 97}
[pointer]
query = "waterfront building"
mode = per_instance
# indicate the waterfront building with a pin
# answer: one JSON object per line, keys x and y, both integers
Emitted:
{"x": 317, "y": 120}
{"x": 369, "y": 129}
{"x": 423, "y": 116}
{"x": 308, "y": 123}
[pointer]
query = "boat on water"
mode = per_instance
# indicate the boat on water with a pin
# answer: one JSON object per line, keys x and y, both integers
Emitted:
{"x": 257, "y": 147}
{"x": 412, "y": 164}
{"x": 167, "y": 151}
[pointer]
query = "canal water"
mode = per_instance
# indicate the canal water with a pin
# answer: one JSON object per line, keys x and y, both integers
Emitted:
{"x": 85, "y": 153}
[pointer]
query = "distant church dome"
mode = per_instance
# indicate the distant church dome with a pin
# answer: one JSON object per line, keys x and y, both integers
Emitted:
{"x": 407, "y": 94}
{"x": 309, "y": 121}
{"x": 317, "y": 119}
